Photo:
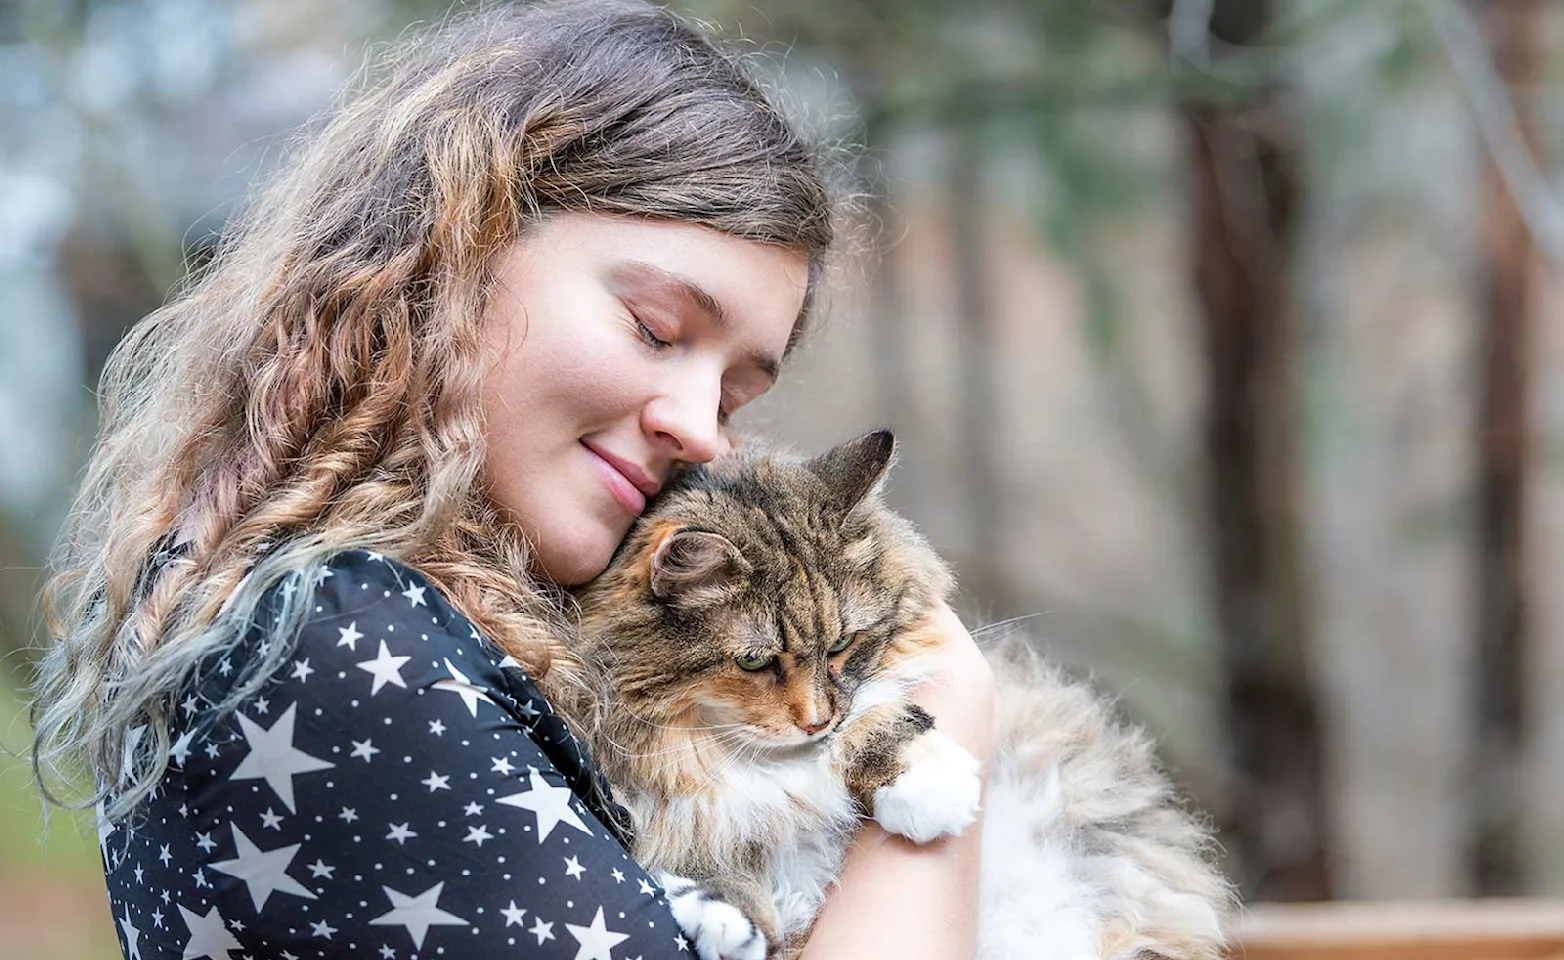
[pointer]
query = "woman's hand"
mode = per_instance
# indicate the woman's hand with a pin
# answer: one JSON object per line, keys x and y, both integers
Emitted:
{"x": 901, "y": 900}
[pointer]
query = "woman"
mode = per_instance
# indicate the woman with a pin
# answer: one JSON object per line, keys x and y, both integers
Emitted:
{"x": 429, "y": 380}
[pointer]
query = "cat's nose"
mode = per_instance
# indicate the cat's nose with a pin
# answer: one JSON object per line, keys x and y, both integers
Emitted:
{"x": 812, "y": 728}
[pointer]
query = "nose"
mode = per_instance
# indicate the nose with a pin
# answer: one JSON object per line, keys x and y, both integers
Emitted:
{"x": 812, "y": 727}
{"x": 813, "y": 717}
{"x": 684, "y": 422}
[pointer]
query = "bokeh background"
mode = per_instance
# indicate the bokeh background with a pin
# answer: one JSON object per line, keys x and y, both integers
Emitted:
{"x": 1221, "y": 337}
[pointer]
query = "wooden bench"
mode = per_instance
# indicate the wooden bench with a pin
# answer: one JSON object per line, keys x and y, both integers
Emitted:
{"x": 1438, "y": 930}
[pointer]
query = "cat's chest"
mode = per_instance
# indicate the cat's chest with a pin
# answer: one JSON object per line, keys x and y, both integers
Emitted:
{"x": 807, "y": 813}
{"x": 803, "y": 791}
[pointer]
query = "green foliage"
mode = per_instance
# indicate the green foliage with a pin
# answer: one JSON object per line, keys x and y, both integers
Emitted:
{"x": 69, "y": 848}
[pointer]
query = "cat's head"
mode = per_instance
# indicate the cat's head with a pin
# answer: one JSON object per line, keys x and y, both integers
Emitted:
{"x": 760, "y": 593}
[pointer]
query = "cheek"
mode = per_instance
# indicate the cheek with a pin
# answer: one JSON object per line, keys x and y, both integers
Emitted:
{"x": 861, "y": 664}
{"x": 744, "y": 698}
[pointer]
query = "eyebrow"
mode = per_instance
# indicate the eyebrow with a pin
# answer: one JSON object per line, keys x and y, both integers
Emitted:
{"x": 697, "y": 297}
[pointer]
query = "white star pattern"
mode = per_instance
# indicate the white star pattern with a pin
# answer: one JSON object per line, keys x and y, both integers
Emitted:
{"x": 273, "y": 758}
{"x": 596, "y": 940}
{"x": 463, "y": 687}
{"x": 315, "y": 850}
{"x": 128, "y": 753}
{"x": 133, "y": 938}
{"x": 263, "y": 872}
{"x": 550, "y": 803}
{"x": 106, "y": 829}
{"x": 209, "y": 936}
{"x": 180, "y": 750}
{"x": 418, "y": 913}
{"x": 543, "y": 931}
{"x": 385, "y": 669}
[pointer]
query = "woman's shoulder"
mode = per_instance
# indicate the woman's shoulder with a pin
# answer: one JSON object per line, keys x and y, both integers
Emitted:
{"x": 375, "y": 634}
{"x": 366, "y": 611}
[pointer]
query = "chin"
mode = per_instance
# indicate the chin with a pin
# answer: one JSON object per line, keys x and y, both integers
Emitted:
{"x": 574, "y": 566}
{"x": 570, "y": 573}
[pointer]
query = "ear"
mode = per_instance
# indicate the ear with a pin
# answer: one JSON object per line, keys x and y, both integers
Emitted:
{"x": 854, "y": 470}
{"x": 689, "y": 560}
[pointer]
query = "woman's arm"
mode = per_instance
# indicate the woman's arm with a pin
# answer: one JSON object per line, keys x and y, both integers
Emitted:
{"x": 898, "y": 899}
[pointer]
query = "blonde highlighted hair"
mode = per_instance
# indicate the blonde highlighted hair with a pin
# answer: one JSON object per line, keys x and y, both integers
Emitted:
{"x": 316, "y": 387}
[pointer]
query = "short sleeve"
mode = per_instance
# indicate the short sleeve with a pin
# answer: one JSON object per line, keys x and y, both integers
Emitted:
{"x": 398, "y": 790}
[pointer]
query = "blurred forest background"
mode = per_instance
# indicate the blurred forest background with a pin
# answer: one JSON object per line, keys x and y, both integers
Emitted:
{"x": 1220, "y": 336}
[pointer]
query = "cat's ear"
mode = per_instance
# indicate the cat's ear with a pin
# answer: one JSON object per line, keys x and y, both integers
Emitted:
{"x": 853, "y": 470}
{"x": 688, "y": 560}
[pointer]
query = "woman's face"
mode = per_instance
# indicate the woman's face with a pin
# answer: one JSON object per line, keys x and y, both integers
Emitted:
{"x": 616, "y": 351}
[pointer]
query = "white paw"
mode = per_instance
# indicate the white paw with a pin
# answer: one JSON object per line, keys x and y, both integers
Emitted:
{"x": 717, "y": 929}
{"x": 937, "y": 794}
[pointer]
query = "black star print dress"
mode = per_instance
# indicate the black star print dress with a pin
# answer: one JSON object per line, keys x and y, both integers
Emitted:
{"x": 399, "y": 790}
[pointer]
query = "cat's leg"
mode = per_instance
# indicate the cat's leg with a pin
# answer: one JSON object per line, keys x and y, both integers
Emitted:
{"x": 723, "y": 921}
{"x": 910, "y": 777}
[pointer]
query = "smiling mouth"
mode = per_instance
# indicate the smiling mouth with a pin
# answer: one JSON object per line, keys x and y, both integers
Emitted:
{"x": 619, "y": 485}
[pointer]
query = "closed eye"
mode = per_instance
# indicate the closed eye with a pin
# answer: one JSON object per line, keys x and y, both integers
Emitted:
{"x": 650, "y": 338}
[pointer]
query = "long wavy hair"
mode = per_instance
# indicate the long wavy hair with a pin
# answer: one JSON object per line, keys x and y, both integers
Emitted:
{"x": 316, "y": 387}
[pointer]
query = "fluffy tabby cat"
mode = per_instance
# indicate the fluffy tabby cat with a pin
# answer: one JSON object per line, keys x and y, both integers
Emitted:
{"x": 759, "y": 633}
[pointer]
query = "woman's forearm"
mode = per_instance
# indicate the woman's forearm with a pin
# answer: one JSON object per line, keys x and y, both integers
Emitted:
{"x": 898, "y": 900}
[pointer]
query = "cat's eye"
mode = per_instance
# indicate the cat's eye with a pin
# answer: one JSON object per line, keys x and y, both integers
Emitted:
{"x": 754, "y": 661}
{"x": 842, "y": 643}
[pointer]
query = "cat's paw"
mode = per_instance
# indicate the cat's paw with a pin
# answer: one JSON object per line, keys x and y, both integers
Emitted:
{"x": 937, "y": 793}
{"x": 716, "y": 928}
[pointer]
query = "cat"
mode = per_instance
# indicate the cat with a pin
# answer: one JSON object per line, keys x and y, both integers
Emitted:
{"x": 758, "y": 635}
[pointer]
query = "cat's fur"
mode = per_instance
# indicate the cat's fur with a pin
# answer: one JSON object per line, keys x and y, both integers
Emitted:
{"x": 746, "y": 785}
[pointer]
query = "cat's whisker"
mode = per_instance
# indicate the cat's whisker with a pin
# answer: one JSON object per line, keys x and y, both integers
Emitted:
{"x": 674, "y": 748}
{"x": 990, "y": 633}
{"x": 700, "y": 727}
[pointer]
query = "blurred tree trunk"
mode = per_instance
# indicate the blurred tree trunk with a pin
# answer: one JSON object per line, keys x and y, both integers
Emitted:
{"x": 109, "y": 290}
{"x": 1513, "y": 30}
{"x": 976, "y": 364}
{"x": 887, "y": 311}
{"x": 1245, "y": 187}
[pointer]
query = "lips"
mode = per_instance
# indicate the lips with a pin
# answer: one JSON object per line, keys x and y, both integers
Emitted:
{"x": 629, "y": 484}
